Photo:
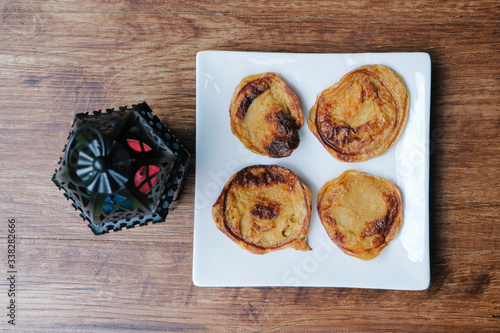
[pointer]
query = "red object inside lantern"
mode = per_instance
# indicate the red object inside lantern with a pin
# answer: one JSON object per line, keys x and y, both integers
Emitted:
{"x": 138, "y": 145}
{"x": 146, "y": 177}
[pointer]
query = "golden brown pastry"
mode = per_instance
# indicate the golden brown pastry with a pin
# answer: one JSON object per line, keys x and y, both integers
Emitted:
{"x": 362, "y": 115}
{"x": 264, "y": 208}
{"x": 266, "y": 116}
{"x": 361, "y": 213}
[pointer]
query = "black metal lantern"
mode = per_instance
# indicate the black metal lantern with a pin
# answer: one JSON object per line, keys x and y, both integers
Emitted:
{"x": 121, "y": 168}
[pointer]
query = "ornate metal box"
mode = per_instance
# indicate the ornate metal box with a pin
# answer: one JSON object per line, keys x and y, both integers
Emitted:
{"x": 121, "y": 168}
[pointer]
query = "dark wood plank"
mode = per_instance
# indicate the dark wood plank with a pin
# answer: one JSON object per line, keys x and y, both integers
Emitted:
{"x": 410, "y": 10}
{"x": 94, "y": 284}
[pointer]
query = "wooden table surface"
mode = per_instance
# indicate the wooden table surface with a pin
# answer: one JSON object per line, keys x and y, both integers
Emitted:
{"x": 58, "y": 58}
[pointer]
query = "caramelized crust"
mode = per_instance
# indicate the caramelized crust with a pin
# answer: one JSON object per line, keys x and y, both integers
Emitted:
{"x": 362, "y": 115}
{"x": 264, "y": 208}
{"x": 361, "y": 213}
{"x": 266, "y": 116}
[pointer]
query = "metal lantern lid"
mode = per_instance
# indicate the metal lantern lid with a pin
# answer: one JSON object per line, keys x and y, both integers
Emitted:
{"x": 121, "y": 168}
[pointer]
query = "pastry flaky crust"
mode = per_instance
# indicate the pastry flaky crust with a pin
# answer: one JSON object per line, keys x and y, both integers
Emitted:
{"x": 266, "y": 115}
{"x": 361, "y": 213}
{"x": 264, "y": 208}
{"x": 361, "y": 116}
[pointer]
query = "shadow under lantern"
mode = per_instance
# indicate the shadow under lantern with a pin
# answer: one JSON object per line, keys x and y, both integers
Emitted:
{"x": 121, "y": 168}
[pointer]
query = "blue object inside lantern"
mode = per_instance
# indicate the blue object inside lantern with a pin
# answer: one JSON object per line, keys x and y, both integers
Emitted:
{"x": 117, "y": 202}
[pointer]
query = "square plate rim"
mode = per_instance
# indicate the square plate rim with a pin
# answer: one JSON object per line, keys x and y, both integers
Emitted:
{"x": 426, "y": 166}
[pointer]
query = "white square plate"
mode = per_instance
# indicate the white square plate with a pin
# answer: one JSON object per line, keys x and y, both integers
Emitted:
{"x": 218, "y": 261}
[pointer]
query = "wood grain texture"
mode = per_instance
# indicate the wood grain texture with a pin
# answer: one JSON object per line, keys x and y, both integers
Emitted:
{"x": 58, "y": 58}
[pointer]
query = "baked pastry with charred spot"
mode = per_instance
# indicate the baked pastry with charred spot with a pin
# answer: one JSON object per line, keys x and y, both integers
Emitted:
{"x": 361, "y": 116}
{"x": 361, "y": 213}
{"x": 264, "y": 208}
{"x": 266, "y": 115}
